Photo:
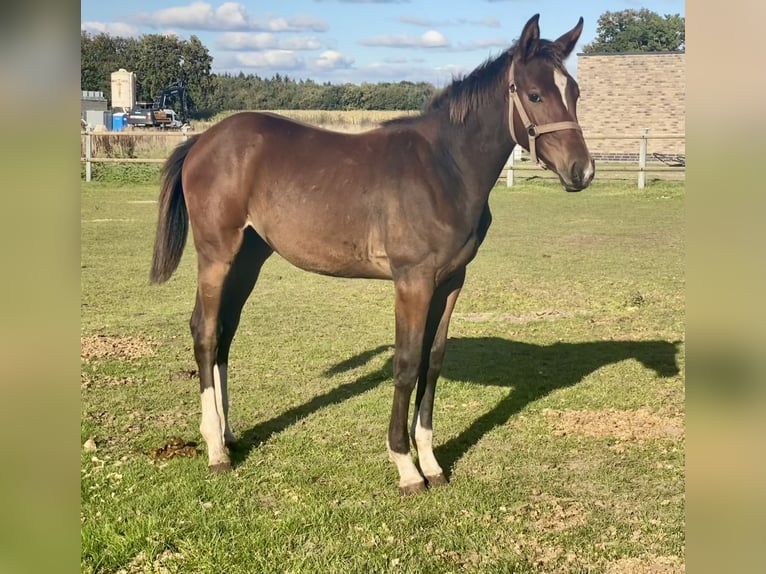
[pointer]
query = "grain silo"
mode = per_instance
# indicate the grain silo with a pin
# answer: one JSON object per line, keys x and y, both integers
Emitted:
{"x": 123, "y": 90}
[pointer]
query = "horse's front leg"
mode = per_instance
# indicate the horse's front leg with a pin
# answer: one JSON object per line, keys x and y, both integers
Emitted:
{"x": 434, "y": 346}
{"x": 413, "y": 297}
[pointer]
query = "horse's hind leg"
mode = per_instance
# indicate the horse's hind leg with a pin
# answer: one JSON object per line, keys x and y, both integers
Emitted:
{"x": 223, "y": 284}
{"x": 237, "y": 287}
{"x": 204, "y": 327}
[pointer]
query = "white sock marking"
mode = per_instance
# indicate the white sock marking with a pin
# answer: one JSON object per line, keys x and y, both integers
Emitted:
{"x": 220, "y": 380}
{"x": 210, "y": 427}
{"x": 561, "y": 80}
{"x": 408, "y": 472}
{"x": 424, "y": 442}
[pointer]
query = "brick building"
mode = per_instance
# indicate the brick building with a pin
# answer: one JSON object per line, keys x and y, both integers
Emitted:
{"x": 623, "y": 93}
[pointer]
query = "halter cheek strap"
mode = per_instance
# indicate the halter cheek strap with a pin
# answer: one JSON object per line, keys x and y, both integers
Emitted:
{"x": 533, "y": 131}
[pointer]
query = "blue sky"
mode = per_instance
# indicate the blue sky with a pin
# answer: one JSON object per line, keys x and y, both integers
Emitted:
{"x": 355, "y": 40}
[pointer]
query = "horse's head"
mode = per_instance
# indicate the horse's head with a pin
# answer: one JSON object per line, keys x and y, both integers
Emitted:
{"x": 543, "y": 106}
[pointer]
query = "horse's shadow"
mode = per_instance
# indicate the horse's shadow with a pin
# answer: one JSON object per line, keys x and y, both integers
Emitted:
{"x": 532, "y": 371}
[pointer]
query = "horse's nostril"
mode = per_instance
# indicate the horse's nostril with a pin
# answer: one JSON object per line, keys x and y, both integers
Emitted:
{"x": 576, "y": 172}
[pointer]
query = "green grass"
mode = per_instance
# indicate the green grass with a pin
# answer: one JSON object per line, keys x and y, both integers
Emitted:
{"x": 574, "y": 303}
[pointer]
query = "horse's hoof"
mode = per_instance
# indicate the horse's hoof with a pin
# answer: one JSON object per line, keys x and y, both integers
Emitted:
{"x": 415, "y": 488}
{"x": 220, "y": 467}
{"x": 438, "y": 480}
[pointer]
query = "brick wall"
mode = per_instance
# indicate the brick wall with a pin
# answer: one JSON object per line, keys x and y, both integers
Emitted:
{"x": 622, "y": 93}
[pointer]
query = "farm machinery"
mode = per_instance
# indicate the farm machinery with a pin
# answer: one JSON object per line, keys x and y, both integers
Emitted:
{"x": 161, "y": 112}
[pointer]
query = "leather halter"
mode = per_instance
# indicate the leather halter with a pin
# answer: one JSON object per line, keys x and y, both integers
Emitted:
{"x": 533, "y": 131}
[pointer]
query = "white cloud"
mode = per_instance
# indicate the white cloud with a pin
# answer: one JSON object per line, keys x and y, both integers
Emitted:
{"x": 232, "y": 15}
{"x": 296, "y": 43}
{"x": 272, "y": 59}
{"x": 112, "y": 28}
{"x": 430, "y": 39}
{"x": 264, "y": 41}
{"x": 332, "y": 59}
{"x": 228, "y": 16}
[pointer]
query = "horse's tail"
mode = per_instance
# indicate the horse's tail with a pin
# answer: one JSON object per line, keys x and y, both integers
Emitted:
{"x": 173, "y": 220}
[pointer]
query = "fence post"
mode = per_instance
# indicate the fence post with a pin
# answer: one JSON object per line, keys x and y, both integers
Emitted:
{"x": 642, "y": 159}
{"x": 88, "y": 153}
{"x": 509, "y": 172}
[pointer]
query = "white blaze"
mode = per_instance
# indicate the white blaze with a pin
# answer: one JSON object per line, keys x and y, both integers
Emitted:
{"x": 561, "y": 80}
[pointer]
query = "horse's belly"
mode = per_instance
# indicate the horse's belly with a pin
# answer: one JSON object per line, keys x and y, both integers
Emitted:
{"x": 335, "y": 256}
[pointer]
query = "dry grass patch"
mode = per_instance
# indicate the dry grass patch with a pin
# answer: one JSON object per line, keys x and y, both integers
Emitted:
{"x": 552, "y": 514}
{"x": 611, "y": 423}
{"x": 87, "y": 381}
{"x": 515, "y": 318}
{"x": 103, "y": 346}
{"x": 647, "y": 565}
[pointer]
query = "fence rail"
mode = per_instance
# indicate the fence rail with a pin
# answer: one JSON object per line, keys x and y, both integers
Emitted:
{"x": 642, "y": 168}
{"x": 512, "y": 168}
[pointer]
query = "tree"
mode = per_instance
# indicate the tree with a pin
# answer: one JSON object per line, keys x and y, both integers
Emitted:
{"x": 195, "y": 71}
{"x": 100, "y": 55}
{"x": 157, "y": 60}
{"x": 638, "y": 31}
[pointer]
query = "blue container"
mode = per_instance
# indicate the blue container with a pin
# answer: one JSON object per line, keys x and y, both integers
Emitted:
{"x": 118, "y": 122}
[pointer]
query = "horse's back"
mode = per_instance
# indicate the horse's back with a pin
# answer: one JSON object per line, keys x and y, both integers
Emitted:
{"x": 329, "y": 202}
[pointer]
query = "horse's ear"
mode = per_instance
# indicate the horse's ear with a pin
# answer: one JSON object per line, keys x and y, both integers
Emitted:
{"x": 529, "y": 37}
{"x": 568, "y": 40}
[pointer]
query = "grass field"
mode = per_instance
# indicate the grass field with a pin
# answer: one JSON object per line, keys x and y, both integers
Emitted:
{"x": 559, "y": 416}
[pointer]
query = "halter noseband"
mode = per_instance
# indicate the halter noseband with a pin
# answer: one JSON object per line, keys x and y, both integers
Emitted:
{"x": 533, "y": 131}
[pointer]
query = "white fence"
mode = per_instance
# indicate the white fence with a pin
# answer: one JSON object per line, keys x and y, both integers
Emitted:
{"x": 642, "y": 166}
{"x": 513, "y": 169}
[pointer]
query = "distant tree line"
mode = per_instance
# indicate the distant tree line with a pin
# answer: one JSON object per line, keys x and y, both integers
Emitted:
{"x": 240, "y": 91}
{"x": 159, "y": 61}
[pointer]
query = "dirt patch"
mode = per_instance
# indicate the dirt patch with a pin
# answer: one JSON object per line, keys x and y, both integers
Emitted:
{"x": 87, "y": 381}
{"x": 515, "y": 318}
{"x": 166, "y": 562}
{"x": 648, "y": 565}
{"x": 185, "y": 375}
{"x": 610, "y": 423}
{"x": 553, "y": 514}
{"x": 175, "y": 447}
{"x": 103, "y": 346}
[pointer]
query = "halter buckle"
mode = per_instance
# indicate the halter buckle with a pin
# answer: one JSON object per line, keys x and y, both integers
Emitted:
{"x": 512, "y": 88}
{"x": 532, "y": 131}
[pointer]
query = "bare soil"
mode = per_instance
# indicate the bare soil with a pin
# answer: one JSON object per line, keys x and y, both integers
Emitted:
{"x": 647, "y": 565}
{"x": 104, "y": 346}
{"x": 611, "y": 423}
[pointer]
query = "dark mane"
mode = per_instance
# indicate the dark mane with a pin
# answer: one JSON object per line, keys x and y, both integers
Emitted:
{"x": 469, "y": 92}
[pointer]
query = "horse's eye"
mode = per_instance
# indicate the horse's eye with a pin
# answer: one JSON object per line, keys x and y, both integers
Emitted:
{"x": 535, "y": 98}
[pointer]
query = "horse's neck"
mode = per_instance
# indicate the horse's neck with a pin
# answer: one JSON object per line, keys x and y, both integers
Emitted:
{"x": 480, "y": 148}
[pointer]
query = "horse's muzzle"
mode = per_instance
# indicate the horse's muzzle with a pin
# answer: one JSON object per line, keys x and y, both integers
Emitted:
{"x": 580, "y": 175}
